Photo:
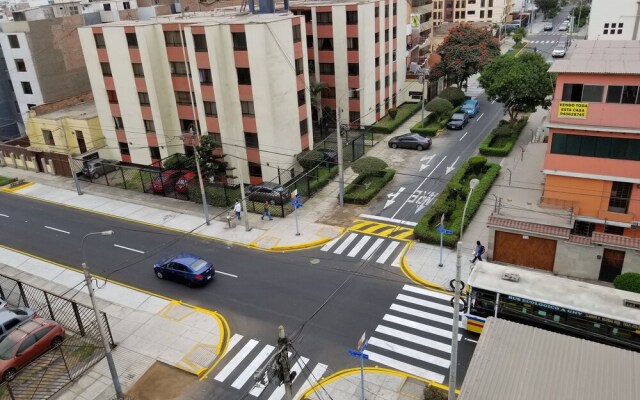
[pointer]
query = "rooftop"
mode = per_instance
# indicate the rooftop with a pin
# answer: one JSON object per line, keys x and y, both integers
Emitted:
{"x": 219, "y": 16}
{"x": 83, "y": 110}
{"x": 600, "y": 57}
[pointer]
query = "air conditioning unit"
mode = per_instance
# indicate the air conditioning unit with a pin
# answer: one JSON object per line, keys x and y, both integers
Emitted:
{"x": 511, "y": 277}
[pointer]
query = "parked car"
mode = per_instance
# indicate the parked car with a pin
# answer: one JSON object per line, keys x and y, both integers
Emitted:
{"x": 568, "y": 18}
{"x": 182, "y": 184}
{"x": 10, "y": 317}
{"x": 565, "y": 39}
{"x": 268, "y": 191}
{"x": 410, "y": 141}
{"x": 99, "y": 166}
{"x": 548, "y": 26}
{"x": 330, "y": 157}
{"x": 458, "y": 120}
{"x": 26, "y": 343}
{"x": 166, "y": 180}
{"x": 559, "y": 51}
{"x": 563, "y": 27}
{"x": 185, "y": 268}
{"x": 471, "y": 107}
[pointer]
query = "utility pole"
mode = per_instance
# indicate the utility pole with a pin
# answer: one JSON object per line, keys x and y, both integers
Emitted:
{"x": 244, "y": 201}
{"x": 73, "y": 173}
{"x": 340, "y": 156}
{"x": 424, "y": 72}
{"x": 283, "y": 361}
{"x": 202, "y": 192}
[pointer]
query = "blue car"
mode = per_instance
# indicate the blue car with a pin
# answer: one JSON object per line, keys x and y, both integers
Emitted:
{"x": 471, "y": 107}
{"x": 185, "y": 268}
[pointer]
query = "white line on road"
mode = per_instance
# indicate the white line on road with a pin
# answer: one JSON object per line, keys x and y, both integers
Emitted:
{"x": 329, "y": 245}
{"x": 235, "y": 361}
{"x": 251, "y": 368}
{"x": 409, "y": 352}
{"x": 493, "y": 101}
{"x": 387, "y": 219}
{"x": 129, "y": 248}
{"x": 57, "y": 230}
{"x": 398, "y": 334}
{"x": 346, "y": 243}
{"x": 359, "y": 246}
{"x": 390, "y": 249}
{"x": 2, "y": 215}
{"x": 226, "y": 273}
{"x": 373, "y": 248}
{"x": 465, "y": 134}
{"x": 420, "y": 185}
{"x": 471, "y": 340}
{"x": 316, "y": 374}
{"x": 480, "y": 117}
{"x": 405, "y": 367}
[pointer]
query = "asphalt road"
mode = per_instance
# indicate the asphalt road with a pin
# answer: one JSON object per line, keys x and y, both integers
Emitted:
{"x": 544, "y": 42}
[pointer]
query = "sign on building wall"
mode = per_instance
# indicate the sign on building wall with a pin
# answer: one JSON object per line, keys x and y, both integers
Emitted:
{"x": 415, "y": 20}
{"x": 572, "y": 109}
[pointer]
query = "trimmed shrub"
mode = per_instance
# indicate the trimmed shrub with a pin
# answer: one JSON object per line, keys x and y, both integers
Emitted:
{"x": 388, "y": 125}
{"x": 368, "y": 166}
{"x": 392, "y": 113}
{"x": 324, "y": 176}
{"x": 503, "y": 130}
{"x": 629, "y": 281}
{"x": 439, "y": 106}
{"x": 490, "y": 146}
{"x": 454, "y": 94}
{"x": 309, "y": 159}
{"x": 364, "y": 188}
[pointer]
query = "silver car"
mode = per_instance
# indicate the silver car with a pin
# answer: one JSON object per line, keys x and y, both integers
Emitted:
{"x": 98, "y": 167}
{"x": 10, "y": 317}
{"x": 559, "y": 51}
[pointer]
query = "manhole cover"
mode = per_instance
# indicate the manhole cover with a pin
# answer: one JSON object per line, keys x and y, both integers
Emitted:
{"x": 314, "y": 261}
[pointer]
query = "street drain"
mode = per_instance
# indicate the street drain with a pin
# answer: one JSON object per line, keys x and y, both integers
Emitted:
{"x": 314, "y": 261}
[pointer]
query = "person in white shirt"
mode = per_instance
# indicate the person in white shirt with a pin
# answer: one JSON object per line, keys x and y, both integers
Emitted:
{"x": 237, "y": 208}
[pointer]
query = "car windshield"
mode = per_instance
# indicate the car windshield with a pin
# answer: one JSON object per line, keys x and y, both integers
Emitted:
{"x": 457, "y": 117}
{"x": 279, "y": 189}
{"x": 559, "y": 48}
{"x": 7, "y": 348}
{"x": 467, "y": 106}
{"x": 198, "y": 265}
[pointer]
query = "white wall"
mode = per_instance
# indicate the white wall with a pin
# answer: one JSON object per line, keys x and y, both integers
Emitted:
{"x": 625, "y": 12}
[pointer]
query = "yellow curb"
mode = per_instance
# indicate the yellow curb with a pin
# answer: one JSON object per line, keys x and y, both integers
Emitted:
{"x": 303, "y": 246}
{"x": 15, "y": 189}
{"x": 523, "y": 47}
{"x": 415, "y": 278}
{"x": 374, "y": 370}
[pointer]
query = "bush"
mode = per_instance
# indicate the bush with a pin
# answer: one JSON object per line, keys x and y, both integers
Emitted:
{"x": 368, "y": 166}
{"x": 503, "y": 130}
{"x": 324, "y": 176}
{"x": 309, "y": 159}
{"x": 388, "y": 125}
{"x": 433, "y": 393}
{"x": 629, "y": 281}
{"x": 364, "y": 188}
{"x": 498, "y": 143}
{"x": 392, "y": 113}
{"x": 439, "y": 106}
{"x": 454, "y": 95}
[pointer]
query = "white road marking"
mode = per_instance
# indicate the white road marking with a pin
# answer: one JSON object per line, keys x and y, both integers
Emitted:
{"x": 414, "y": 338}
{"x": 297, "y": 368}
{"x": 425, "y": 303}
{"x": 421, "y": 327}
{"x": 329, "y": 245}
{"x": 346, "y": 243}
{"x": 387, "y": 219}
{"x": 470, "y": 340}
{"x": 465, "y": 134}
{"x": 408, "y": 368}
{"x": 373, "y": 248}
{"x": 408, "y": 352}
{"x": 57, "y": 230}
{"x": 420, "y": 185}
{"x": 226, "y": 371}
{"x": 493, "y": 101}
{"x": 480, "y": 117}
{"x": 315, "y": 376}
{"x": 396, "y": 262}
{"x": 129, "y": 248}
{"x": 226, "y": 273}
{"x": 359, "y": 246}
{"x": 387, "y": 252}
{"x": 3, "y": 215}
{"x": 252, "y": 367}
{"x": 422, "y": 314}
{"x": 430, "y": 293}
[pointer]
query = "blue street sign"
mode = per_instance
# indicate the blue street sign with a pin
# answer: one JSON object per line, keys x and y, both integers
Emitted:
{"x": 358, "y": 354}
{"x": 444, "y": 231}
{"x": 296, "y": 202}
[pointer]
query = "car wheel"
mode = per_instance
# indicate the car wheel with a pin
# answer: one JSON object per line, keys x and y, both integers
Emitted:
{"x": 56, "y": 342}
{"x": 159, "y": 275}
{"x": 9, "y": 374}
{"x": 419, "y": 148}
{"x": 95, "y": 175}
{"x": 394, "y": 146}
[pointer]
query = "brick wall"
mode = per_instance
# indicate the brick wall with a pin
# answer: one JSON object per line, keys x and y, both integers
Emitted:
{"x": 60, "y": 104}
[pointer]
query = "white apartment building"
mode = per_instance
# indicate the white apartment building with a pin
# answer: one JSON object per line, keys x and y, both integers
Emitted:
{"x": 617, "y": 21}
{"x": 494, "y": 11}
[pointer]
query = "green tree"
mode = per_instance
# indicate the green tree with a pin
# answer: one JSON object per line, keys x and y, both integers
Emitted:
{"x": 519, "y": 34}
{"x": 520, "y": 83}
{"x": 368, "y": 166}
{"x": 315, "y": 91}
{"x": 464, "y": 51}
{"x": 309, "y": 159}
{"x": 629, "y": 281}
{"x": 393, "y": 112}
{"x": 209, "y": 162}
{"x": 548, "y": 7}
{"x": 454, "y": 94}
{"x": 439, "y": 106}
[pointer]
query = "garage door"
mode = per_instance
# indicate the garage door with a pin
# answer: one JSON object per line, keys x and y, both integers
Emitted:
{"x": 533, "y": 252}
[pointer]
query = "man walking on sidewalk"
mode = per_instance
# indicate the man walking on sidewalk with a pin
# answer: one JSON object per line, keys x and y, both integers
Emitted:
{"x": 478, "y": 252}
{"x": 266, "y": 212}
{"x": 237, "y": 208}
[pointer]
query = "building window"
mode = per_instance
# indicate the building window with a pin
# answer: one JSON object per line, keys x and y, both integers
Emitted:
{"x": 324, "y": 18}
{"x": 377, "y": 37}
{"x": 99, "y": 38}
{"x": 144, "y": 98}
{"x": 244, "y": 76}
{"x": 138, "y": 71}
{"x": 353, "y": 69}
{"x": 117, "y": 123}
{"x": 251, "y": 140}
{"x": 20, "y": 65}
{"x": 386, "y": 81}
{"x": 596, "y": 146}
{"x": 489, "y": 14}
{"x": 304, "y": 127}
{"x": 377, "y": 85}
{"x": 26, "y": 87}
{"x": 354, "y": 117}
{"x": 395, "y": 77}
{"x": 13, "y": 41}
{"x": 614, "y": 230}
{"x": 481, "y": 14}
{"x": 395, "y": 9}
{"x": 623, "y": 94}
{"x": 155, "y": 153}
{"x": 205, "y": 76}
{"x": 239, "y": 40}
{"x": 309, "y": 40}
{"x": 376, "y": 12}
{"x": 327, "y": 69}
{"x": 301, "y": 98}
{"x": 247, "y": 108}
{"x": 352, "y": 17}
{"x": 297, "y": 34}
{"x": 106, "y": 6}
{"x": 583, "y": 228}
{"x": 216, "y": 136}
{"x": 325, "y": 44}
{"x": 352, "y": 43}
{"x": 620, "y": 196}
{"x": 299, "y": 64}
{"x": 179, "y": 68}
{"x": 173, "y": 39}
{"x": 200, "y": 42}
{"x": 124, "y": 148}
{"x": 183, "y": 98}
{"x": 394, "y": 33}
{"x": 377, "y": 61}
{"x": 386, "y": 35}
{"x": 132, "y": 40}
{"x": 149, "y": 126}
{"x": 582, "y": 93}
{"x": 312, "y": 66}
{"x": 305, "y": 13}
{"x": 255, "y": 169}
{"x": 210, "y": 109}
{"x": 354, "y": 94}
{"x": 126, "y": 5}
{"x": 106, "y": 69}
{"x": 112, "y": 96}
{"x": 47, "y": 135}
{"x": 329, "y": 93}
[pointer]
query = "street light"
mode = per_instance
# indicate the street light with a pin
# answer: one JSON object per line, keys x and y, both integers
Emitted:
{"x": 340, "y": 161}
{"x": 456, "y": 299}
{"x": 96, "y": 310}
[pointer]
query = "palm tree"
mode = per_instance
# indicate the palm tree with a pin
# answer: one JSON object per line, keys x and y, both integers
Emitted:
{"x": 315, "y": 90}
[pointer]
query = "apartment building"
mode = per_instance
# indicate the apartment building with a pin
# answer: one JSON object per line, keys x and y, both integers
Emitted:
{"x": 495, "y": 11}
{"x": 419, "y": 13}
{"x": 621, "y": 22}
{"x": 239, "y": 77}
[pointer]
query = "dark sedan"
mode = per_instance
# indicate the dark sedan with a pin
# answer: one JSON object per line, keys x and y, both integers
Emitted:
{"x": 185, "y": 268}
{"x": 458, "y": 120}
{"x": 410, "y": 141}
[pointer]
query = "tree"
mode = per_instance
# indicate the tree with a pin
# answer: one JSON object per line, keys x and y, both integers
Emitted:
{"x": 309, "y": 159}
{"x": 548, "y": 7}
{"x": 439, "y": 106}
{"x": 520, "y": 83}
{"x": 464, "y": 51}
{"x": 629, "y": 281}
{"x": 209, "y": 162}
{"x": 315, "y": 91}
{"x": 519, "y": 34}
{"x": 454, "y": 94}
{"x": 393, "y": 112}
{"x": 368, "y": 166}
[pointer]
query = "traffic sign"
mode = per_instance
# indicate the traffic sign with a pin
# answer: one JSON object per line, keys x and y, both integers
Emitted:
{"x": 444, "y": 231}
{"x": 362, "y": 342}
{"x": 296, "y": 203}
{"x": 358, "y": 354}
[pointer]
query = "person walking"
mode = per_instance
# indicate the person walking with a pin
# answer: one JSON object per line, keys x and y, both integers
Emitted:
{"x": 237, "y": 208}
{"x": 478, "y": 252}
{"x": 266, "y": 212}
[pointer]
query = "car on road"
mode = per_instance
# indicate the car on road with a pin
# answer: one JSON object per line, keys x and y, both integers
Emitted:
{"x": 268, "y": 191}
{"x": 186, "y": 268}
{"x": 330, "y": 157}
{"x": 548, "y": 26}
{"x": 182, "y": 184}
{"x": 26, "y": 343}
{"x": 166, "y": 180}
{"x": 410, "y": 141}
{"x": 568, "y": 18}
{"x": 563, "y": 27}
{"x": 559, "y": 51}
{"x": 99, "y": 166}
{"x": 10, "y": 317}
{"x": 471, "y": 107}
{"x": 458, "y": 120}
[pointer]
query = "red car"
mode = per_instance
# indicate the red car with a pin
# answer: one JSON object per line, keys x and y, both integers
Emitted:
{"x": 166, "y": 180}
{"x": 182, "y": 186}
{"x": 27, "y": 342}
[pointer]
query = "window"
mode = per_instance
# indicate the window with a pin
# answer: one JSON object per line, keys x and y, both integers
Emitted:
{"x": 239, "y": 40}
{"x": 377, "y": 61}
{"x": 43, "y": 332}
{"x": 304, "y": 127}
{"x": 386, "y": 35}
{"x": 327, "y": 69}
{"x": 126, "y": 5}
{"x": 301, "y": 98}
{"x": 297, "y": 34}
{"x": 324, "y": 18}
{"x": 247, "y": 108}
{"x": 354, "y": 94}
{"x": 26, "y": 343}
{"x": 329, "y": 93}
{"x": 352, "y": 17}
{"x": 623, "y": 94}
{"x": 112, "y": 96}
{"x": 255, "y": 169}
{"x": 99, "y": 38}
{"x": 394, "y": 33}
{"x": 179, "y": 68}
{"x": 124, "y": 148}
{"x": 353, "y": 69}
{"x": 620, "y": 196}
{"x": 377, "y": 37}
{"x": 106, "y": 69}
{"x": 173, "y": 39}
{"x": 251, "y": 140}
{"x": 481, "y": 13}
{"x": 149, "y": 126}
{"x": 580, "y": 92}
{"x": 144, "y": 98}
{"x": 582, "y": 228}
{"x": 352, "y": 43}
{"x": 377, "y": 12}
{"x": 592, "y": 93}
{"x": 299, "y": 64}
{"x": 117, "y": 123}
{"x": 138, "y": 71}
{"x": 132, "y": 40}
{"x": 155, "y": 153}
{"x": 309, "y": 40}
{"x": 205, "y": 76}
{"x": 13, "y": 41}
{"x": 377, "y": 85}
{"x": 47, "y": 135}
{"x": 312, "y": 66}
{"x": 244, "y": 76}
{"x": 183, "y": 98}
{"x": 354, "y": 117}
{"x": 325, "y": 44}
{"x": 395, "y": 9}
{"x": 596, "y": 146}
{"x": 489, "y": 13}
{"x": 394, "y": 77}
{"x": 107, "y": 6}
{"x": 210, "y": 109}
{"x": 614, "y": 230}
{"x": 26, "y": 87}
{"x": 216, "y": 137}
{"x": 200, "y": 42}
{"x": 20, "y": 65}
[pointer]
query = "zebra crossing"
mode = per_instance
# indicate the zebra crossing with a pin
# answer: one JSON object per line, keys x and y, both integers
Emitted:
{"x": 247, "y": 358}
{"x": 542, "y": 41}
{"x": 415, "y": 335}
{"x": 356, "y": 245}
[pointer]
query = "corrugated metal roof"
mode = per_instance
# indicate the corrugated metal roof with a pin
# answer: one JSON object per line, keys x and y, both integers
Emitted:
{"x": 515, "y": 361}
{"x": 600, "y": 57}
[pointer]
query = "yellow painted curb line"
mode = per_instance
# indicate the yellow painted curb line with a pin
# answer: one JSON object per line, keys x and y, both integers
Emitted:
{"x": 374, "y": 370}
{"x": 307, "y": 245}
{"x": 415, "y": 278}
{"x": 15, "y": 189}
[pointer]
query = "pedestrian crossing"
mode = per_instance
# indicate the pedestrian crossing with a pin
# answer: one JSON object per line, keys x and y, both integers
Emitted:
{"x": 542, "y": 41}
{"x": 247, "y": 356}
{"x": 415, "y": 335}
{"x": 365, "y": 247}
{"x": 382, "y": 229}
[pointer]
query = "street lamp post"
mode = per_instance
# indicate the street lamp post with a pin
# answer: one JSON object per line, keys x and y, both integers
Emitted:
{"x": 96, "y": 310}
{"x": 456, "y": 300}
{"x": 340, "y": 159}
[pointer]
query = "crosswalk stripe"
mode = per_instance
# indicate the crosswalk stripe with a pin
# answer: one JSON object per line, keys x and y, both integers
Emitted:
{"x": 409, "y": 352}
{"x": 315, "y": 376}
{"x": 279, "y": 392}
{"x": 422, "y": 314}
{"x": 258, "y": 387}
{"x": 421, "y": 327}
{"x": 425, "y": 303}
{"x": 359, "y": 246}
{"x": 346, "y": 243}
{"x": 373, "y": 248}
{"x": 252, "y": 367}
{"x": 226, "y": 371}
{"x": 330, "y": 244}
{"x": 390, "y": 249}
{"x": 429, "y": 293}
{"x": 408, "y": 368}
{"x": 409, "y": 337}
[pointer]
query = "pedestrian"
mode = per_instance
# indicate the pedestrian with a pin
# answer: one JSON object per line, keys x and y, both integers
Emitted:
{"x": 237, "y": 208}
{"x": 478, "y": 252}
{"x": 266, "y": 212}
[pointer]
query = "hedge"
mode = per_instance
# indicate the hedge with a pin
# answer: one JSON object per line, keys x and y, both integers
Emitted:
{"x": 486, "y": 147}
{"x": 357, "y": 193}
{"x": 452, "y": 208}
{"x": 324, "y": 177}
{"x": 388, "y": 125}
{"x": 629, "y": 281}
